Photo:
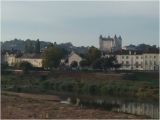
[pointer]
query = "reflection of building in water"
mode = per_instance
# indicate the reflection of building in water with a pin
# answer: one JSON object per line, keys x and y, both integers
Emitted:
{"x": 110, "y": 44}
{"x": 150, "y": 110}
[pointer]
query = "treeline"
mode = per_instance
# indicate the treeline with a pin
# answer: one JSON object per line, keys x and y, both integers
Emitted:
{"x": 92, "y": 59}
{"x": 20, "y": 45}
{"x": 32, "y": 47}
{"x": 144, "y": 48}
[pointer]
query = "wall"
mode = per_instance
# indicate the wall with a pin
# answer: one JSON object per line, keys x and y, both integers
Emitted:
{"x": 74, "y": 57}
{"x": 138, "y": 62}
{"x": 12, "y": 60}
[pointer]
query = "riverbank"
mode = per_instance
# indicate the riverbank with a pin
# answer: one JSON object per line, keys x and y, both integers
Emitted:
{"x": 32, "y": 106}
{"x": 141, "y": 85}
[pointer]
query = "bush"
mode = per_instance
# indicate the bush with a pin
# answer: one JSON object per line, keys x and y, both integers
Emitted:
{"x": 93, "y": 89}
{"x": 4, "y": 66}
{"x": 84, "y": 63}
{"x": 43, "y": 77}
{"x": 25, "y": 66}
{"x": 67, "y": 86}
{"x": 85, "y": 89}
{"x": 74, "y": 64}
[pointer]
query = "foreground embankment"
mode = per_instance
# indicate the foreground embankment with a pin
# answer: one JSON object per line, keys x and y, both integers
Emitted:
{"x": 33, "y": 106}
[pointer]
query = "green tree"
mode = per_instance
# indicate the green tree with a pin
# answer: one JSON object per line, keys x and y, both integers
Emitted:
{"x": 106, "y": 63}
{"x": 29, "y": 48}
{"x": 74, "y": 64}
{"x": 25, "y": 66}
{"x": 37, "y": 47}
{"x": 93, "y": 54}
{"x": 84, "y": 63}
{"x": 98, "y": 64}
{"x": 4, "y": 66}
{"x": 51, "y": 57}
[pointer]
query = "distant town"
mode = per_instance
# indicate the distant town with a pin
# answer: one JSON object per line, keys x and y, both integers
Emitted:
{"x": 109, "y": 56}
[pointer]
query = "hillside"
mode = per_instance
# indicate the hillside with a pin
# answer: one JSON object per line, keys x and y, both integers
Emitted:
{"x": 18, "y": 44}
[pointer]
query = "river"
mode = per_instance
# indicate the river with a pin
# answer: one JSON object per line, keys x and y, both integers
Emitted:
{"x": 127, "y": 105}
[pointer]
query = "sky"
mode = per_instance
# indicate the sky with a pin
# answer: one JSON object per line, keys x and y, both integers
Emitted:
{"x": 81, "y": 22}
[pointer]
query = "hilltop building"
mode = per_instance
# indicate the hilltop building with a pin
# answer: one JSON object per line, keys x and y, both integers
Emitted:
{"x": 109, "y": 44}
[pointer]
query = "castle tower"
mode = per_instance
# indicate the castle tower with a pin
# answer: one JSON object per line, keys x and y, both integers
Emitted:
{"x": 100, "y": 42}
{"x": 110, "y": 44}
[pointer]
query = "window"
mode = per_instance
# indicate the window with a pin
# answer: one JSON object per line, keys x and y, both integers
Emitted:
{"x": 136, "y": 64}
{"x": 150, "y": 62}
{"x": 127, "y": 62}
{"x": 146, "y": 63}
{"x": 146, "y": 56}
{"x": 122, "y": 62}
{"x": 136, "y": 57}
{"x": 122, "y": 57}
{"x": 126, "y": 57}
{"x": 154, "y": 56}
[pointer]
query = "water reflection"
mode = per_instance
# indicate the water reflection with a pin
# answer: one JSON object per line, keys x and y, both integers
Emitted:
{"x": 150, "y": 108}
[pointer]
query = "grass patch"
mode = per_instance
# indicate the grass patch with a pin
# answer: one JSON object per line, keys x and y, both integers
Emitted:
{"x": 137, "y": 84}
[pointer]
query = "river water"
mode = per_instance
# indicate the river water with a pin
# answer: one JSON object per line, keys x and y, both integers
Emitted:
{"x": 129, "y": 105}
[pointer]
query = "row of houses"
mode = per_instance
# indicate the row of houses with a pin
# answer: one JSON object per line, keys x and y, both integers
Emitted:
{"x": 13, "y": 59}
{"x": 36, "y": 60}
{"x": 129, "y": 60}
{"x": 135, "y": 60}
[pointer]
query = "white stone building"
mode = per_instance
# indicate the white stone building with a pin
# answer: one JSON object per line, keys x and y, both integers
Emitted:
{"x": 12, "y": 59}
{"x": 137, "y": 61}
{"x": 72, "y": 57}
{"x": 110, "y": 44}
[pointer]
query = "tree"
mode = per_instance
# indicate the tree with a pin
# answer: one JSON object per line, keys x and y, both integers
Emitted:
{"x": 50, "y": 45}
{"x": 98, "y": 64}
{"x": 116, "y": 66}
{"x": 93, "y": 54}
{"x": 4, "y": 66}
{"x": 29, "y": 48}
{"x": 74, "y": 64}
{"x": 37, "y": 47}
{"x": 84, "y": 63}
{"x": 25, "y": 66}
{"x": 51, "y": 57}
{"x": 106, "y": 63}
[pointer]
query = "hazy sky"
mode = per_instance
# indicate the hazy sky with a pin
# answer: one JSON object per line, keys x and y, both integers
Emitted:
{"x": 81, "y": 22}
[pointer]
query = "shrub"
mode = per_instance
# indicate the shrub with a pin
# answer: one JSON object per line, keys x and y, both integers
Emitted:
{"x": 67, "y": 86}
{"x": 74, "y": 64}
{"x": 43, "y": 77}
{"x": 25, "y": 66}
{"x": 93, "y": 89}
{"x": 84, "y": 63}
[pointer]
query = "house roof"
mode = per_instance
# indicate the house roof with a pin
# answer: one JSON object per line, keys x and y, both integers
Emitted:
{"x": 30, "y": 56}
{"x": 132, "y": 52}
{"x": 126, "y": 52}
{"x": 73, "y": 52}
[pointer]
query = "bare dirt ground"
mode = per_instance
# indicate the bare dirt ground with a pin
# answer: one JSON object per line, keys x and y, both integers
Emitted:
{"x": 32, "y": 106}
